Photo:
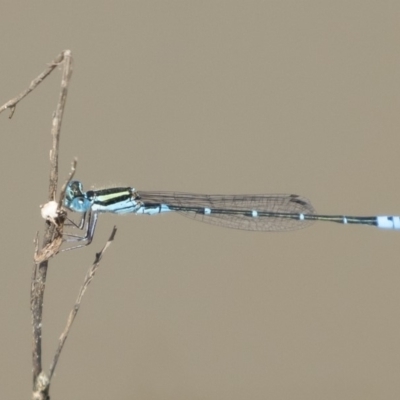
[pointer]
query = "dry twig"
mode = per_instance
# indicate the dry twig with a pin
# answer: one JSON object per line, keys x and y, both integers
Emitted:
{"x": 12, "y": 104}
{"x": 53, "y": 236}
{"x": 88, "y": 278}
{"x": 38, "y": 285}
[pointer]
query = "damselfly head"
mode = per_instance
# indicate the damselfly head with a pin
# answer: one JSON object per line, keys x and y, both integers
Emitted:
{"x": 75, "y": 197}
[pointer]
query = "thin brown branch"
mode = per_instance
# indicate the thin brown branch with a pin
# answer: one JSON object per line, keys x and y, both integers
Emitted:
{"x": 53, "y": 236}
{"x": 40, "y": 273}
{"x": 64, "y": 187}
{"x": 11, "y": 104}
{"x": 57, "y": 119}
{"x": 88, "y": 278}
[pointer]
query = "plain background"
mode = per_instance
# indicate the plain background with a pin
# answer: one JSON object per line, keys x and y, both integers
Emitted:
{"x": 210, "y": 97}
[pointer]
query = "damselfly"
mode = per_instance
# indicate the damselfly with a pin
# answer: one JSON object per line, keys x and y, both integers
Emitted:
{"x": 265, "y": 212}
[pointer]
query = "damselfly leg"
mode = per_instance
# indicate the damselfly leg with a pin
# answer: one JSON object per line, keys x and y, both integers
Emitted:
{"x": 88, "y": 225}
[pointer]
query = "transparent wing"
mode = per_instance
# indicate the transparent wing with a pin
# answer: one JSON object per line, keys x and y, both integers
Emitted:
{"x": 275, "y": 212}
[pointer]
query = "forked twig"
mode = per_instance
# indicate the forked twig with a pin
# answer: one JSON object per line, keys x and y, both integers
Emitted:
{"x": 53, "y": 236}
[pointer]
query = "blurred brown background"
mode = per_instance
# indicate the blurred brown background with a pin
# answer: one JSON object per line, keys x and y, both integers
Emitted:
{"x": 215, "y": 97}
